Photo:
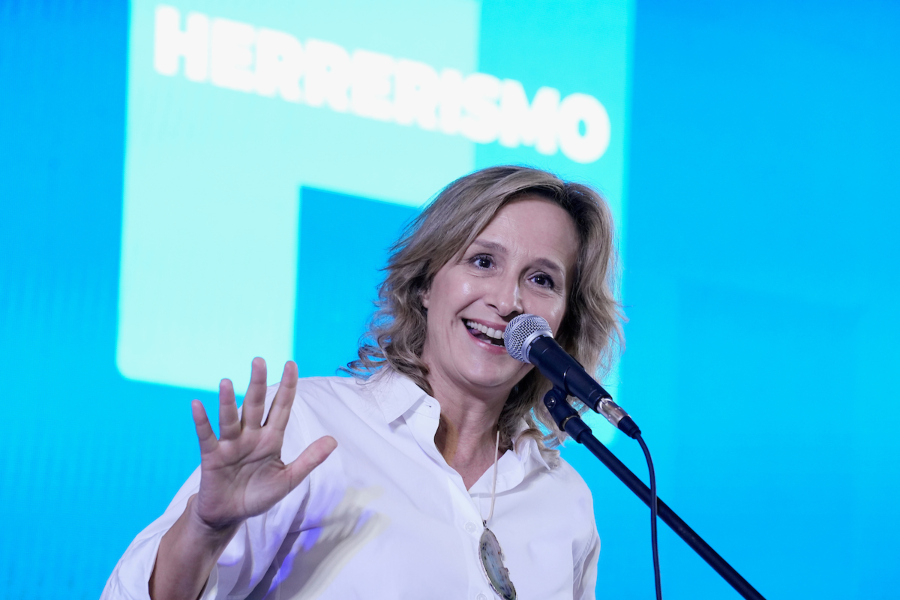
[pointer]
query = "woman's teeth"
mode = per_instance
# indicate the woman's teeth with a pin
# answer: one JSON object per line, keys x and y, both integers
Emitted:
{"x": 491, "y": 333}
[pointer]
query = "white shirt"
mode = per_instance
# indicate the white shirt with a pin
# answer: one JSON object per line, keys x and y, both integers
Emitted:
{"x": 385, "y": 516}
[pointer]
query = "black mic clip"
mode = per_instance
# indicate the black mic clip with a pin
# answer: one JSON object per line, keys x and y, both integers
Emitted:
{"x": 564, "y": 415}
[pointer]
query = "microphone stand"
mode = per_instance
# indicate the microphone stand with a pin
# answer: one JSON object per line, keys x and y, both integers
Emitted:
{"x": 568, "y": 420}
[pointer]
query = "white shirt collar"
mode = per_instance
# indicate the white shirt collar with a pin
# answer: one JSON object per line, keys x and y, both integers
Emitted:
{"x": 397, "y": 394}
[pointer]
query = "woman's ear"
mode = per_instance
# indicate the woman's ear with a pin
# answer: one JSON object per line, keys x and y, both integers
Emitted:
{"x": 424, "y": 298}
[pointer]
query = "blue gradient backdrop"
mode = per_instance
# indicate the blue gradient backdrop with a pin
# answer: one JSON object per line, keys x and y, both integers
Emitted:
{"x": 761, "y": 285}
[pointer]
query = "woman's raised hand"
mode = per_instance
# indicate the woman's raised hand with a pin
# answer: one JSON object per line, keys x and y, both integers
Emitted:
{"x": 241, "y": 473}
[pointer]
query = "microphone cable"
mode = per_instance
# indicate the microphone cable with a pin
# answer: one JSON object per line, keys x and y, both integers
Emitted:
{"x": 653, "y": 517}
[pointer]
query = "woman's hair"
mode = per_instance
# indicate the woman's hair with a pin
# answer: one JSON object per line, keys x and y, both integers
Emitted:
{"x": 590, "y": 330}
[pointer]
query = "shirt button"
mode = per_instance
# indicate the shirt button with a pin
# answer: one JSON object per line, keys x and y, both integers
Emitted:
{"x": 480, "y": 597}
{"x": 470, "y": 527}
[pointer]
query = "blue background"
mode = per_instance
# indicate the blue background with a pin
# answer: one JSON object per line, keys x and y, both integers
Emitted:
{"x": 760, "y": 284}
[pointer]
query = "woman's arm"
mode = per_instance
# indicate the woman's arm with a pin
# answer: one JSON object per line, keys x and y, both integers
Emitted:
{"x": 241, "y": 476}
{"x": 186, "y": 556}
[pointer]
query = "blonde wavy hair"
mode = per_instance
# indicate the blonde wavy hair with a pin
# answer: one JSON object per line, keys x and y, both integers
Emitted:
{"x": 590, "y": 330}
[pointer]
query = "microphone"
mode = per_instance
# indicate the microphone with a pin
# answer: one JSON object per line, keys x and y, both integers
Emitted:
{"x": 528, "y": 338}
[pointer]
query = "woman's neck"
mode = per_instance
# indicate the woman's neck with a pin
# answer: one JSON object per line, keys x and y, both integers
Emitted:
{"x": 467, "y": 431}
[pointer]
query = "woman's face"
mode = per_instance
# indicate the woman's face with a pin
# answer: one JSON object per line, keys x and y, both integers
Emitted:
{"x": 523, "y": 262}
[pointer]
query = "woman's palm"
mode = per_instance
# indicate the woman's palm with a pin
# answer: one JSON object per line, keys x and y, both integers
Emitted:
{"x": 241, "y": 473}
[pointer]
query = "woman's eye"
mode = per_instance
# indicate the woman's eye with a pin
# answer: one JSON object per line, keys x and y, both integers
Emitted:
{"x": 482, "y": 262}
{"x": 543, "y": 280}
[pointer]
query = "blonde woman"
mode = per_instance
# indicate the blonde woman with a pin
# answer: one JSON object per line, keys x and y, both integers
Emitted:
{"x": 405, "y": 480}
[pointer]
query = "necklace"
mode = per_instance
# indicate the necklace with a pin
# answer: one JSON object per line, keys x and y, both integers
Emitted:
{"x": 489, "y": 548}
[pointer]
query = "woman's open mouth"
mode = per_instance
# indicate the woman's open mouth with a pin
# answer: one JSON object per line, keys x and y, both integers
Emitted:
{"x": 485, "y": 333}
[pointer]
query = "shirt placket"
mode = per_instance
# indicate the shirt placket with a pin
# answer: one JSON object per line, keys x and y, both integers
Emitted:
{"x": 467, "y": 519}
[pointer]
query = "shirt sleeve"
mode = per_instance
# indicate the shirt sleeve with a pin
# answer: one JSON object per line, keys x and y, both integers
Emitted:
{"x": 586, "y": 570}
{"x": 243, "y": 563}
{"x": 130, "y": 578}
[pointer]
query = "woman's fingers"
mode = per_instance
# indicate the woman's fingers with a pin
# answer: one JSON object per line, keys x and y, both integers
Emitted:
{"x": 208, "y": 441}
{"x": 314, "y": 455}
{"x": 255, "y": 400}
{"x": 229, "y": 420}
{"x": 280, "y": 410}
{"x": 232, "y": 422}
{"x": 245, "y": 462}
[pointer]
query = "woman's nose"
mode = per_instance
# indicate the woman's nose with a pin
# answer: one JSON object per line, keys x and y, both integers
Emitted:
{"x": 505, "y": 296}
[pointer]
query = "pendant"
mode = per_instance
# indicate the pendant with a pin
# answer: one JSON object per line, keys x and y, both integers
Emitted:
{"x": 492, "y": 563}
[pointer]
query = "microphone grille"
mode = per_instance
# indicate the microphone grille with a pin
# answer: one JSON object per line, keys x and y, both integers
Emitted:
{"x": 521, "y": 331}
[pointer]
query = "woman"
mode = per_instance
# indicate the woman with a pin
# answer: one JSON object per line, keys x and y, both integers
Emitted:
{"x": 435, "y": 441}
